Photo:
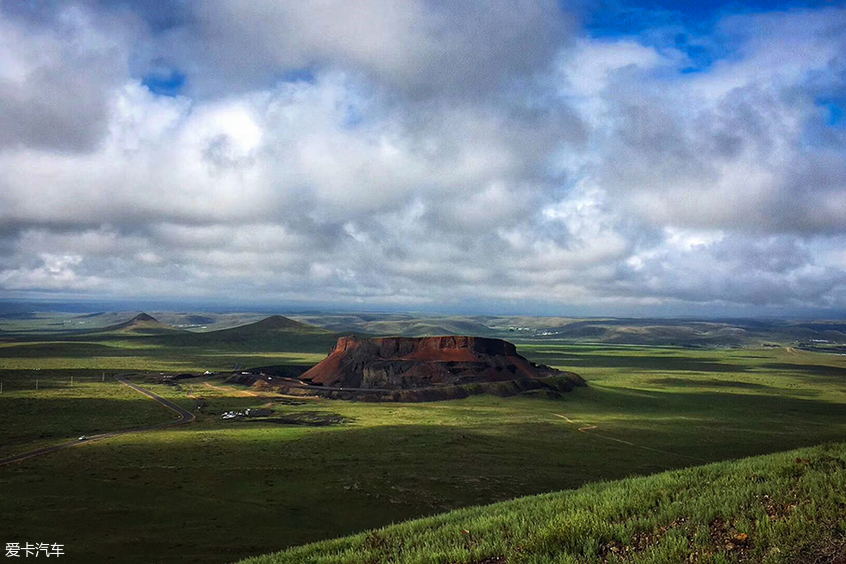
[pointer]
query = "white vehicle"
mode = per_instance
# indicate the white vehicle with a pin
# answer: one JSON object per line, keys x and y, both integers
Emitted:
{"x": 83, "y": 438}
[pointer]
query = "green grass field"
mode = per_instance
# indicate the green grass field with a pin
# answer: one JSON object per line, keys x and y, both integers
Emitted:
{"x": 786, "y": 507}
{"x": 218, "y": 491}
{"x": 62, "y": 409}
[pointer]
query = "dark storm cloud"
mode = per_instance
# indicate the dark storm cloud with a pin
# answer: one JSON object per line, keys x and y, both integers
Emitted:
{"x": 57, "y": 71}
{"x": 420, "y": 48}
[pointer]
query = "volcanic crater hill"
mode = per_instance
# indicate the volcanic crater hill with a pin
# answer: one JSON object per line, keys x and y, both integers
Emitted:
{"x": 406, "y": 363}
{"x": 274, "y": 333}
{"x": 142, "y": 323}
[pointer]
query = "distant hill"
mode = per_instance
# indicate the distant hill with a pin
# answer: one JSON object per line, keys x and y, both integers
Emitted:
{"x": 142, "y": 324}
{"x": 657, "y": 332}
{"x": 245, "y": 328}
{"x": 274, "y": 324}
{"x": 686, "y": 332}
{"x": 274, "y": 333}
{"x": 403, "y": 325}
{"x": 201, "y": 322}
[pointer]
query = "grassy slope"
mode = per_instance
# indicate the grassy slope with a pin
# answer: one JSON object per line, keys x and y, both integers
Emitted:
{"x": 766, "y": 509}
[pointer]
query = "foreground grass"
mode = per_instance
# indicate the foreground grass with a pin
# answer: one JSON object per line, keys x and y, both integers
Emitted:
{"x": 217, "y": 491}
{"x": 776, "y": 508}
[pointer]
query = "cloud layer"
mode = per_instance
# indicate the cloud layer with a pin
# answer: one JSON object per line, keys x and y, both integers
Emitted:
{"x": 440, "y": 155}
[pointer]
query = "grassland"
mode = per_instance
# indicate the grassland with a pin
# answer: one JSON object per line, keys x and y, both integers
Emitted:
{"x": 68, "y": 405}
{"x": 130, "y": 355}
{"x": 787, "y": 507}
{"x": 218, "y": 491}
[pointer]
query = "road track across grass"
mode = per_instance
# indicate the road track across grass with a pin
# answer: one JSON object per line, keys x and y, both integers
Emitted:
{"x": 589, "y": 427}
{"x": 185, "y": 417}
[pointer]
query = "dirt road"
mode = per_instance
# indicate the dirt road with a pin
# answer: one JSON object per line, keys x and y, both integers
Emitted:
{"x": 589, "y": 427}
{"x": 185, "y": 416}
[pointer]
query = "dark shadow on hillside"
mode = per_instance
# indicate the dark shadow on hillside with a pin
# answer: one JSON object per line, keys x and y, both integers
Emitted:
{"x": 21, "y": 375}
{"x": 723, "y": 405}
{"x": 528, "y": 347}
{"x": 65, "y": 350}
{"x": 836, "y": 372}
{"x": 62, "y": 345}
{"x": 688, "y": 364}
{"x": 706, "y": 382}
{"x": 304, "y": 343}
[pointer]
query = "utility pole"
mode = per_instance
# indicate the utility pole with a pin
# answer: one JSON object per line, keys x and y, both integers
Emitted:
{"x": 104, "y": 377}
{"x": 71, "y": 379}
{"x": 36, "y": 384}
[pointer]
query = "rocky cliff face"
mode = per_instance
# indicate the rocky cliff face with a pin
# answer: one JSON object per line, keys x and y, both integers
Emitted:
{"x": 404, "y": 363}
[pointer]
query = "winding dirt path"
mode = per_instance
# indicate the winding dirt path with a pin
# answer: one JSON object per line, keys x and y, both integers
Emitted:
{"x": 242, "y": 393}
{"x": 185, "y": 416}
{"x": 589, "y": 427}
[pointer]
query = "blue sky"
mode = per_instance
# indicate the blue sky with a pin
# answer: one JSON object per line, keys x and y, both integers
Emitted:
{"x": 611, "y": 158}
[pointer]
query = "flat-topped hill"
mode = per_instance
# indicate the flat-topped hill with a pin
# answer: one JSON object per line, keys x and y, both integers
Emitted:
{"x": 403, "y": 363}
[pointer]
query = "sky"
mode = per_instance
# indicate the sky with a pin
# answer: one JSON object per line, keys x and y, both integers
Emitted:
{"x": 600, "y": 157}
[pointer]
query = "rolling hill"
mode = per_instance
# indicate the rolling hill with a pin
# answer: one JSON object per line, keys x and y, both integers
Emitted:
{"x": 618, "y": 331}
{"x": 274, "y": 333}
{"x": 142, "y": 324}
{"x": 402, "y": 325}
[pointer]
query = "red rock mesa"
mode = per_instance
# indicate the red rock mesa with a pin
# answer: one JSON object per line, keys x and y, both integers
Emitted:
{"x": 404, "y": 363}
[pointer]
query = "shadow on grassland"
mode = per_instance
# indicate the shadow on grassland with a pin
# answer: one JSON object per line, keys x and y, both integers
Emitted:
{"x": 650, "y": 362}
{"x": 742, "y": 408}
{"x": 706, "y": 383}
{"x": 63, "y": 350}
{"x": 27, "y": 420}
{"x": 825, "y": 371}
{"x": 25, "y": 378}
{"x": 216, "y": 496}
{"x": 212, "y": 496}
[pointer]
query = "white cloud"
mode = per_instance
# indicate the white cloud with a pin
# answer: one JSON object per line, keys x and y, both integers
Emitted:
{"x": 590, "y": 67}
{"x": 437, "y": 154}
